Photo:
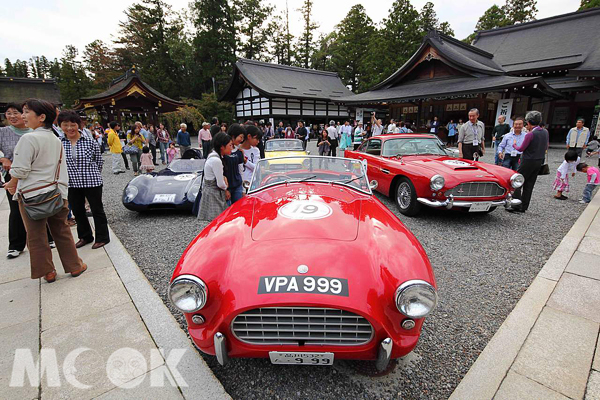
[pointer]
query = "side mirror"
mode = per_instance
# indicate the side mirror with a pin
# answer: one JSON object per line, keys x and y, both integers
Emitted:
{"x": 373, "y": 184}
{"x": 246, "y": 185}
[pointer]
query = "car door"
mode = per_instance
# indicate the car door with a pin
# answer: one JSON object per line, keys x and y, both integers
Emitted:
{"x": 370, "y": 152}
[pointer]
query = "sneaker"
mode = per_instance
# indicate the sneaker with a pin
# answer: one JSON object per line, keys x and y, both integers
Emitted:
{"x": 583, "y": 201}
{"x": 13, "y": 254}
{"x": 52, "y": 245}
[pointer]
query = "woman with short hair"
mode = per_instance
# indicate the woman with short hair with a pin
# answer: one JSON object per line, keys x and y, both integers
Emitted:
{"x": 135, "y": 138}
{"x": 214, "y": 185}
{"x": 84, "y": 166}
{"x": 163, "y": 142}
{"x": 38, "y": 157}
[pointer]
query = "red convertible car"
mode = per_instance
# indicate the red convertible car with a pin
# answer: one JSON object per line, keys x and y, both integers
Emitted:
{"x": 415, "y": 170}
{"x": 307, "y": 268}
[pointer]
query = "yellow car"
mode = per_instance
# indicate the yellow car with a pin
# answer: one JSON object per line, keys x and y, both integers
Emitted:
{"x": 284, "y": 148}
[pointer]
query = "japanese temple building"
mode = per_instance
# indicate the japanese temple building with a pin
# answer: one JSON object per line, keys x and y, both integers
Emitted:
{"x": 129, "y": 97}
{"x": 17, "y": 90}
{"x": 266, "y": 91}
{"x": 551, "y": 65}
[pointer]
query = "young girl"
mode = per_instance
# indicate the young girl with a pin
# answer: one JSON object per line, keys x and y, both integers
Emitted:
{"x": 289, "y": 133}
{"x": 147, "y": 163}
{"x": 172, "y": 152}
{"x": 234, "y": 162}
{"x": 593, "y": 181}
{"x": 561, "y": 183}
{"x": 214, "y": 188}
{"x": 251, "y": 152}
{"x": 324, "y": 145}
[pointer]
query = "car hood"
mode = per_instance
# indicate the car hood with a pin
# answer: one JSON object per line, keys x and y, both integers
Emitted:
{"x": 300, "y": 213}
{"x": 272, "y": 154}
{"x": 449, "y": 166}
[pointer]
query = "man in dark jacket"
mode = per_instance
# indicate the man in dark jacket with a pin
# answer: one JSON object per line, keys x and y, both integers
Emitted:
{"x": 534, "y": 148}
{"x": 499, "y": 130}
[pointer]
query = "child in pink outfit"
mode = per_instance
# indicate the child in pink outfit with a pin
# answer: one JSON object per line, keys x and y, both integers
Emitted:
{"x": 172, "y": 152}
{"x": 593, "y": 180}
{"x": 146, "y": 159}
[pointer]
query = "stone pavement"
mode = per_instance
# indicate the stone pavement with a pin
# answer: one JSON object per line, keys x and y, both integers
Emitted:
{"x": 547, "y": 348}
{"x": 97, "y": 335}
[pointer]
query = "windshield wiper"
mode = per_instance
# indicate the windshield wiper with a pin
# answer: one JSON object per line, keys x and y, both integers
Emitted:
{"x": 299, "y": 180}
{"x": 348, "y": 180}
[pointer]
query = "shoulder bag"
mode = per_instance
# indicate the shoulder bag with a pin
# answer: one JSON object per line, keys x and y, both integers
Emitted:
{"x": 46, "y": 204}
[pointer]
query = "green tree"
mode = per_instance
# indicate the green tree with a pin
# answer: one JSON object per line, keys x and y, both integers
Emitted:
{"x": 253, "y": 28}
{"x": 585, "y": 4}
{"x": 350, "y": 52}
{"x": 214, "y": 44}
{"x": 144, "y": 35}
{"x": 9, "y": 69}
{"x": 101, "y": 63}
{"x": 73, "y": 81}
{"x": 322, "y": 58}
{"x": 400, "y": 36}
{"x": 494, "y": 17}
{"x": 520, "y": 10}
{"x": 305, "y": 46}
{"x": 428, "y": 20}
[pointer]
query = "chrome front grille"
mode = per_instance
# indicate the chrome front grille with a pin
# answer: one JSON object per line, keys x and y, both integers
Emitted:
{"x": 476, "y": 189}
{"x": 302, "y": 326}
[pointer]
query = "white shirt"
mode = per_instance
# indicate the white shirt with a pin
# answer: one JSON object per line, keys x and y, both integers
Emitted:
{"x": 568, "y": 167}
{"x": 34, "y": 163}
{"x": 377, "y": 130}
{"x": 253, "y": 155}
{"x": 391, "y": 128}
{"x": 332, "y": 132}
{"x": 213, "y": 170}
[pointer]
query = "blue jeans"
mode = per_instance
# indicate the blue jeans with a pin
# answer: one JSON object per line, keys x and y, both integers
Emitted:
{"x": 510, "y": 161}
{"x": 236, "y": 194}
{"x": 587, "y": 192}
{"x": 497, "y": 160}
{"x": 163, "y": 151}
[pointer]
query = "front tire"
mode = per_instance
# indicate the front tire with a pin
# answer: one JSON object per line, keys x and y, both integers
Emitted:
{"x": 406, "y": 198}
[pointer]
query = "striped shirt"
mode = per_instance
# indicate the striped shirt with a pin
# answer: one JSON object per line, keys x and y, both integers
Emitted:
{"x": 85, "y": 165}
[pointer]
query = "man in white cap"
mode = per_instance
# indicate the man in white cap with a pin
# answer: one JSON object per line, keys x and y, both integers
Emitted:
{"x": 205, "y": 138}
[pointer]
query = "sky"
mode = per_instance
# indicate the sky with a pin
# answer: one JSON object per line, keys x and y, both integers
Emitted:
{"x": 45, "y": 27}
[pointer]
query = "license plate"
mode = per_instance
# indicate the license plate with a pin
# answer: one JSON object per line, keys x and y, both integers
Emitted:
{"x": 480, "y": 207}
{"x": 284, "y": 357}
{"x": 164, "y": 198}
{"x": 303, "y": 284}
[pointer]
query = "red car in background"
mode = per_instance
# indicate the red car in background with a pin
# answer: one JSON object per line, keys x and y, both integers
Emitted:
{"x": 415, "y": 170}
{"x": 307, "y": 268}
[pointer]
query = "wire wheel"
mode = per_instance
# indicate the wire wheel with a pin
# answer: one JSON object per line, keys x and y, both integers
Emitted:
{"x": 404, "y": 195}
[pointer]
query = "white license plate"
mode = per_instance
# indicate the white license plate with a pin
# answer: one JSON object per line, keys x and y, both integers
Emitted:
{"x": 164, "y": 198}
{"x": 480, "y": 207}
{"x": 285, "y": 357}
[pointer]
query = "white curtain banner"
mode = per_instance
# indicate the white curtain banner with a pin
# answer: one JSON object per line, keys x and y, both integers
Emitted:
{"x": 505, "y": 108}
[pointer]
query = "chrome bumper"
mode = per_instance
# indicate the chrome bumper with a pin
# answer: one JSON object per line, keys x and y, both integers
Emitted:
{"x": 384, "y": 354}
{"x": 450, "y": 202}
{"x": 221, "y": 348}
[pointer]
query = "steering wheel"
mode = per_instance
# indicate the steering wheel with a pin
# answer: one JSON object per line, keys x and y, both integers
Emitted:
{"x": 275, "y": 178}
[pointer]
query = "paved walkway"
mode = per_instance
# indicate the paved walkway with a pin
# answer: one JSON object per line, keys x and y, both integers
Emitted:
{"x": 547, "y": 348}
{"x": 98, "y": 335}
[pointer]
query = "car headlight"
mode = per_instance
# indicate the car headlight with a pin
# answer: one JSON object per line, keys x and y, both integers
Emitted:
{"x": 188, "y": 293}
{"x": 517, "y": 180}
{"x": 194, "y": 189}
{"x": 437, "y": 182}
{"x": 416, "y": 298}
{"x": 130, "y": 192}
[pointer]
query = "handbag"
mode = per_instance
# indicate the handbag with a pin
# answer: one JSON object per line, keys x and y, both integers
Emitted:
{"x": 128, "y": 149}
{"x": 46, "y": 204}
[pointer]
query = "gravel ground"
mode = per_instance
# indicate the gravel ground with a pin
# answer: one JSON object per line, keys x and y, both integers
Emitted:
{"x": 483, "y": 264}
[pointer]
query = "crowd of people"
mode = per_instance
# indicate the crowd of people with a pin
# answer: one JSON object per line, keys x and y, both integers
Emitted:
{"x": 48, "y": 151}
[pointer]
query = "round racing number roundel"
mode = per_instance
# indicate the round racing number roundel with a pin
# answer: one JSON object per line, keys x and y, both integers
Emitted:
{"x": 184, "y": 177}
{"x": 305, "y": 209}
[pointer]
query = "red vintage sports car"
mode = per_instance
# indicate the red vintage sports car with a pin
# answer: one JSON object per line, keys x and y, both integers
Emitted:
{"x": 415, "y": 170}
{"x": 307, "y": 268}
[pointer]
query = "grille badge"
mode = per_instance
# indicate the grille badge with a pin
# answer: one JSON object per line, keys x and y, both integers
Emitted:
{"x": 302, "y": 269}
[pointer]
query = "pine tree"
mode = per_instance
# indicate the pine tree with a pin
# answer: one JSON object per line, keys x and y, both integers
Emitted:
{"x": 9, "y": 69}
{"x": 428, "y": 20}
{"x": 145, "y": 35}
{"x": 73, "y": 82}
{"x": 252, "y": 27}
{"x": 520, "y": 11}
{"x": 350, "y": 52}
{"x": 101, "y": 62}
{"x": 305, "y": 45}
{"x": 214, "y": 44}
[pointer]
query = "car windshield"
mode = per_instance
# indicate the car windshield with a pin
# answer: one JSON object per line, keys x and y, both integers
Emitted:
{"x": 192, "y": 165}
{"x": 283, "y": 170}
{"x": 412, "y": 146}
{"x": 284, "y": 145}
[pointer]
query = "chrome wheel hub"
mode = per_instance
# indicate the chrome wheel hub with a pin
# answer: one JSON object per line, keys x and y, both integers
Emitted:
{"x": 403, "y": 194}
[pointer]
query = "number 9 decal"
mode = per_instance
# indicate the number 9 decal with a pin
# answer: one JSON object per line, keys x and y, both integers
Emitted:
{"x": 305, "y": 210}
